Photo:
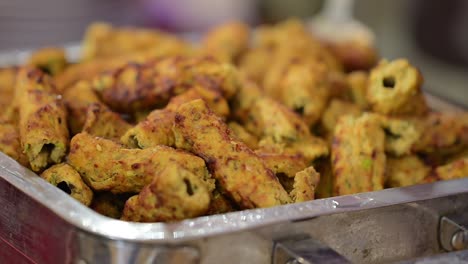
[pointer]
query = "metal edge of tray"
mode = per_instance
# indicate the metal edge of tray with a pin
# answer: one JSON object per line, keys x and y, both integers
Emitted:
{"x": 87, "y": 220}
{"x": 20, "y": 56}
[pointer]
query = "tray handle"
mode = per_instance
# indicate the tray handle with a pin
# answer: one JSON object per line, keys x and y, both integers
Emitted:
{"x": 304, "y": 250}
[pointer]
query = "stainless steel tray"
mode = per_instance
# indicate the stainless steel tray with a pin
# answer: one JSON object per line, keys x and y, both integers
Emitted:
{"x": 41, "y": 224}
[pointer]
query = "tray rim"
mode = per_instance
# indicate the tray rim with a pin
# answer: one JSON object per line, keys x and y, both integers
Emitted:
{"x": 85, "y": 219}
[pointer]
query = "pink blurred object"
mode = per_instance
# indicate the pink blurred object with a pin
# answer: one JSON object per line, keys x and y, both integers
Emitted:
{"x": 197, "y": 15}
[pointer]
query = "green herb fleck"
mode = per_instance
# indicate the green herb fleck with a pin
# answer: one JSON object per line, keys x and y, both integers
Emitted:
{"x": 367, "y": 163}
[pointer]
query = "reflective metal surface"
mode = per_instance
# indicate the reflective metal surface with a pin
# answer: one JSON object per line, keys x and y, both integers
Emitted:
{"x": 84, "y": 218}
{"x": 46, "y": 225}
{"x": 459, "y": 257}
{"x": 454, "y": 232}
{"x": 305, "y": 250}
{"x": 17, "y": 57}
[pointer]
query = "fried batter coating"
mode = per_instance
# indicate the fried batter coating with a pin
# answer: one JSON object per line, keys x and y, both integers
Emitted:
{"x": 293, "y": 37}
{"x": 276, "y": 47}
{"x": 43, "y": 120}
{"x": 243, "y": 135}
{"x": 405, "y": 171}
{"x": 109, "y": 204}
{"x": 395, "y": 89}
{"x": 174, "y": 193}
{"x": 220, "y": 204}
{"x": 355, "y": 55}
{"x": 287, "y": 164}
{"x": 64, "y": 177}
{"x": 336, "y": 109}
{"x": 213, "y": 98}
{"x": 102, "y": 122}
{"x": 227, "y": 41}
{"x": 270, "y": 119}
{"x": 119, "y": 170}
{"x": 304, "y": 88}
{"x": 454, "y": 170}
{"x": 442, "y": 132}
{"x": 77, "y": 99}
{"x": 106, "y": 48}
{"x": 310, "y": 149}
{"x": 304, "y": 185}
{"x": 10, "y": 143}
{"x": 400, "y": 135}
{"x": 50, "y": 60}
{"x": 279, "y": 34}
{"x": 156, "y": 129}
{"x": 338, "y": 86}
{"x": 86, "y": 71}
{"x": 136, "y": 86}
{"x": 357, "y": 82}
{"x": 239, "y": 172}
{"x": 245, "y": 98}
{"x": 140, "y": 116}
{"x": 7, "y": 86}
{"x": 101, "y": 40}
{"x": 290, "y": 35}
{"x": 75, "y": 73}
{"x": 358, "y": 158}
{"x": 255, "y": 62}
{"x": 324, "y": 188}
{"x": 277, "y": 125}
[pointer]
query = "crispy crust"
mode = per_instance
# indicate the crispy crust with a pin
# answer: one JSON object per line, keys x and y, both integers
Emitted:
{"x": 119, "y": 170}
{"x": 394, "y": 88}
{"x": 442, "y": 132}
{"x": 325, "y": 186}
{"x": 287, "y": 164}
{"x": 335, "y": 110}
{"x": 77, "y": 99}
{"x": 156, "y": 129}
{"x": 174, "y": 193}
{"x": 43, "y": 121}
{"x": 400, "y": 135}
{"x": 7, "y": 86}
{"x": 10, "y": 143}
{"x": 49, "y": 60}
{"x": 255, "y": 62}
{"x": 355, "y": 55}
{"x": 245, "y": 98}
{"x": 357, "y": 82}
{"x": 102, "y": 40}
{"x": 109, "y": 204}
{"x": 282, "y": 130}
{"x": 143, "y": 86}
{"x": 358, "y": 158}
{"x": 405, "y": 171}
{"x": 220, "y": 204}
{"x": 240, "y": 133}
{"x": 102, "y": 122}
{"x": 63, "y": 176}
{"x": 239, "y": 172}
{"x": 454, "y": 170}
{"x": 227, "y": 41}
{"x": 304, "y": 88}
{"x": 304, "y": 185}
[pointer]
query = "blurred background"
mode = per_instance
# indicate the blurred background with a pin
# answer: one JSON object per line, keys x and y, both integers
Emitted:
{"x": 432, "y": 34}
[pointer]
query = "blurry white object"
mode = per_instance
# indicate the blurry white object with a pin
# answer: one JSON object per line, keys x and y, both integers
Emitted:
{"x": 335, "y": 23}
